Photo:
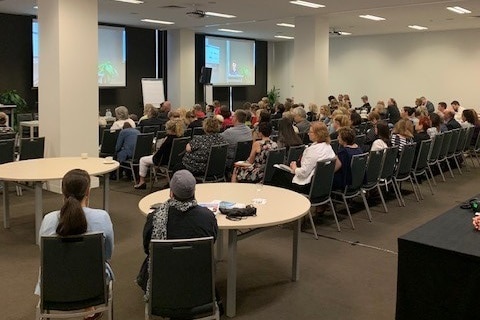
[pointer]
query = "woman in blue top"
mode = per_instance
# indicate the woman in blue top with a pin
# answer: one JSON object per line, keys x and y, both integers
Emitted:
{"x": 75, "y": 217}
{"x": 348, "y": 148}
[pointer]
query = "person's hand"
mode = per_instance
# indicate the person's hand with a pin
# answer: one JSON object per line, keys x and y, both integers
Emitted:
{"x": 293, "y": 165}
{"x": 476, "y": 222}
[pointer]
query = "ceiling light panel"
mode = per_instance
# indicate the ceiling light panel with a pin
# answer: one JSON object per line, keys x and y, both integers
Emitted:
{"x": 288, "y": 25}
{"x": 307, "y": 4}
{"x": 370, "y": 17}
{"x": 284, "y": 37}
{"x": 417, "y": 27}
{"x": 230, "y": 30}
{"x": 343, "y": 33}
{"x": 157, "y": 21}
{"x": 221, "y": 15}
{"x": 459, "y": 10}
{"x": 131, "y": 1}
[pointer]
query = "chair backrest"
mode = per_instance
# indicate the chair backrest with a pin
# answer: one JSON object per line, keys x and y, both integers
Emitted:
{"x": 405, "y": 163}
{"x": 294, "y": 153}
{"x": 453, "y": 142}
{"x": 181, "y": 278}
{"x": 143, "y": 146}
{"x": 389, "y": 163}
{"x": 274, "y": 157}
{"x": 374, "y": 166}
{"x": 73, "y": 272}
{"x": 32, "y": 148}
{"x": 109, "y": 141}
{"x": 148, "y": 129}
{"x": 242, "y": 150}
{"x": 358, "y": 166}
{"x": 198, "y": 131}
{"x": 468, "y": 139}
{"x": 188, "y": 133}
{"x": 8, "y": 135}
{"x": 360, "y": 140}
{"x": 216, "y": 164}
{"x": 447, "y": 137}
{"x": 335, "y": 145}
{"x": 178, "y": 150}
{"x": 7, "y": 151}
{"x": 436, "y": 148}
{"x": 422, "y": 156}
{"x": 322, "y": 180}
{"x": 24, "y": 117}
{"x": 461, "y": 140}
{"x": 306, "y": 139}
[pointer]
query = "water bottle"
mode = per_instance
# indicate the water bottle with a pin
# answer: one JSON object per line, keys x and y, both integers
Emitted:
{"x": 108, "y": 113}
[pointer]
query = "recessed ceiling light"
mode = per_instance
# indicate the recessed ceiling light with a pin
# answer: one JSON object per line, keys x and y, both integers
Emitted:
{"x": 131, "y": 1}
{"x": 417, "y": 27}
{"x": 307, "y": 4}
{"x": 285, "y": 37}
{"x": 35, "y": 7}
{"x": 221, "y": 15}
{"x": 343, "y": 33}
{"x": 157, "y": 21}
{"x": 370, "y": 17}
{"x": 283, "y": 24}
{"x": 459, "y": 10}
{"x": 230, "y": 30}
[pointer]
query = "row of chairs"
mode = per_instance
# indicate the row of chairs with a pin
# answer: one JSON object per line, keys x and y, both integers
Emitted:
{"x": 29, "y": 149}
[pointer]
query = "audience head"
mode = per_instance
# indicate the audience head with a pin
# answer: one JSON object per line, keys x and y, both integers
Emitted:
{"x": 121, "y": 113}
{"x": 407, "y": 111}
{"x": 435, "y": 120}
{"x": 240, "y": 116}
{"x": 418, "y": 102}
{"x": 288, "y": 104}
{"x": 225, "y": 112}
{"x": 341, "y": 121}
{"x": 3, "y": 118}
{"x": 469, "y": 116}
{"x": 126, "y": 125}
{"x": 264, "y": 116}
{"x": 392, "y": 102}
{"x": 280, "y": 108}
{"x": 173, "y": 115}
{"x": 175, "y": 127}
{"x": 383, "y": 131}
{"x": 340, "y": 97}
{"x": 319, "y": 132}
{"x": 75, "y": 190}
{"x": 374, "y": 116}
{"x": 331, "y": 98}
{"x": 442, "y": 106}
{"x": 246, "y": 106}
{"x": 182, "y": 186}
{"x": 265, "y": 129}
{"x": 324, "y": 111}
{"x": 355, "y": 118}
{"x": 364, "y": 99}
{"x": 404, "y": 127}
{"x": 346, "y": 136}
{"x": 455, "y": 104}
{"x": 423, "y": 124}
{"x": 421, "y": 111}
{"x": 211, "y": 125}
{"x": 380, "y": 107}
{"x": 448, "y": 114}
{"x": 166, "y": 106}
{"x": 147, "y": 109}
{"x": 313, "y": 108}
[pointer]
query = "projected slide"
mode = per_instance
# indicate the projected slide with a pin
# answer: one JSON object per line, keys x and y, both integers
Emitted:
{"x": 232, "y": 61}
{"x": 111, "y": 56}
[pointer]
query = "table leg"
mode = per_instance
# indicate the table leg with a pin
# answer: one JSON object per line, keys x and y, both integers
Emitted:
{"x": 232, "y": 274}
{"x": 106, "y": 189}
{"x": 220, "y": 245}
{"x": 6, "y": 206}
{"x": 38, "y": 210}
{"x": 296, "y": 235}
{"x": 31, "y": 132}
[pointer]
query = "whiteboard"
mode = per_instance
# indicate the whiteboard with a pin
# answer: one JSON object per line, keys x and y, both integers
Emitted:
{"x": 153, "y": 91}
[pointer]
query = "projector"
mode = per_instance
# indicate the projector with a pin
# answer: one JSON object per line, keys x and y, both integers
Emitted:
{"x": 196, "y": 14}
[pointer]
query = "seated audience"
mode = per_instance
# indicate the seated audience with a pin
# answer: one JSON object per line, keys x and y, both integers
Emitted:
{"x": 348, "y": 148}
{"x": 4, "y": 128}
{"x": 239, "y": 132}
{"x": 366, "y": 105}
{"x": 198, "y": 110}
{"x": 264, "y": 117}
{"x": 300, "y": 119}
{"x": 340, "y": 121}
{"x": 402, "y": 133}
{"x": 198, "y": 149}
{"x": 393, "y": 114}
{"x": 312, "y": 114}
{"x": 180, "y": 217}
{"x": 165, "y": 108}
{"x": 279, "y": 109}
{"x": 300, "y": 177}
{"x": 227, "y": 117}
{"x": 409, "y": 113}
{"x": 286, "y": 135}
{"x": 442, "y": 106}
{"x": 174, "y": 130}
{"x": 381, "y": 109}
{"x": 195, "y": 121}
{"x": 449, "y": 120}
{"x": 437, "y": 125}
{"x": 258, "y": 157}
{"x": 324, "y": 114}
{"x": 421, "y": 133}
{"x": 152, "y": 120}
{"x": 127, "y": 139}
{"x": 458, "y": 109}
{"x": 382, "y": 132}
{"x": 146, "y": 112}
{"x": 76, "y": 218}
{"x": 371, "y": 134}
{"x": 121, "y": 113}
{"x": 468, "y": 118}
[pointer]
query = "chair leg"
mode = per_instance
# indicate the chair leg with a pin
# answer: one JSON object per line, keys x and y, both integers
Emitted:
{"x": 458, "y": 165}
{"x": 429, "y": 184}
{"x": 348, "y": 211}
{"x": 440, "y": 170}
{"x": 431, "y": 174}
{"x": 381, "y": 197}
{"x": 313, "y": 225}
{"x": 418, "y": 186}
{"x": 396, "y": 185}
{"x": 414, "y": 189}
{"x": 133, "y": 173}
{"x": 396, "y": 193}
{"x": 334, "y": 215}
{"x": 367, "y": 208}
{"x": 450, "y": 168}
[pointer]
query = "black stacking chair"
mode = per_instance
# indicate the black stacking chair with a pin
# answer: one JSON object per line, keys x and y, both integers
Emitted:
{"x": 216, "y": 164}
{"x": 274, "y": 157}
{"x": 442, "y": 157}
{"x": 294, "y": 153}
{"x": 7, "y": 151}
{"x": 32, "y": 148}
{"x": 374, "y": 171}
{"x": 109, "y": 142}
{"x": 242, "y": 150}
{"x": 434, "y": 154}
{"x": 404, "y": 168}
{"x": 388, "y": 170}
{"x": 421, "y": 165}
{"x": 176, "y": 156}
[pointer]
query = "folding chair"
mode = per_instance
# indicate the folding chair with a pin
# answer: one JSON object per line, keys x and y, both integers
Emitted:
{"x": 467, "y": 145}
{"x": 360, "y": 140}
{"x": 242, "y": 150}
{"x": 321, "y": 188}
{"x": 198, "y": 131}
{"x": 109, "y": 142}
{"x": 442, "y": 157}
{"x": 404, "y": 168}
{"x": 421, "y": 165}
{"x": 451, "y": 149}
{"x": 458, "y": 151}
{"x": 474, "y": 150}
{"x": 294, "y": 153}
{"x": 143, "y": 147}
{"x": 7, "y": 151}
{"x": 335, "y": 145}
{"x": 182, "y": 280}
{"x": 374, "y": 170}
{"x": 8, "y": 135}
{"x": 358, "y": 165}
{"x": 73, "y": 277}
{"x": 176, "y": 156}
{"x": 32, "y": 148}
{"x": 434, "y": 154}
{"x": 388, "y": 170}
{"x": 148, "y": 129}
{"x": 274, "y": 157}
{"x": 215, "y": 170}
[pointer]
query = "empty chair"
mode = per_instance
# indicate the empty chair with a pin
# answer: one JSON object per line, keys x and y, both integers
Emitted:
{"x": 404, "y": 168}
{"x": 242, "y": 150}
{"x": 143, "y": 147}
{"x": 294, "y": 153}
{"x": 7, "y": 151}
{"x": 176, "y": 155}
{"x": 109, "y": 141}
{"x": 73, "y": 277}
{"x": 421, "y": 165}
{"x": 458, "y": 151}
{"x": 360, "y": 140}
{"x": 388, "y": 170}
{"x": 216, "y": 164}
{"x": 467, "y": 145}
{"x": 452, "y": 147}
{"x": 434, "y": 154}
{"x": 182, "y": 281}
{"x": 321, "y": 188}
{"x": 32, "y": 148}
{"x": 374, "y": 170}
{"x": 274, "y": 157}
{"x": 474, "y": 150}
{"x": 358, "y": 167}
{"x": 442, "y": 157}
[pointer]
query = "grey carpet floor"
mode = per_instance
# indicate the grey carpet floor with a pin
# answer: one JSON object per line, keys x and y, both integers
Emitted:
{"x": 343, "y": 275}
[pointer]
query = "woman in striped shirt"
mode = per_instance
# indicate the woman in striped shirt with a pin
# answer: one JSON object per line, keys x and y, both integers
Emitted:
{"x": 402, "y": 133}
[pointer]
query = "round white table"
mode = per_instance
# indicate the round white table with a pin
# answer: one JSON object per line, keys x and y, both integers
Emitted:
{"x": 282, "y": 206}
{"x": 45, "y": 169}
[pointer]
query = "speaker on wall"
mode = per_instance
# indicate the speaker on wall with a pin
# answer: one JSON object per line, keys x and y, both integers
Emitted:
{"x": 205, "y": 75}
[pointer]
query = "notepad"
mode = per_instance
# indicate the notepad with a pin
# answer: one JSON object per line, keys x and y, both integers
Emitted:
{"x": 283, "y": 167}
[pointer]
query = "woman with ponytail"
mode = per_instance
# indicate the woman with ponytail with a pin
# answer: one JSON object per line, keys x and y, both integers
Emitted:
{"x": 75, "y": 217}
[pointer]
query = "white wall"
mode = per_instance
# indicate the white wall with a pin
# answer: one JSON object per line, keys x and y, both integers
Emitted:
{"x": 280, "y": 73}
{"x": 443, "y": 66}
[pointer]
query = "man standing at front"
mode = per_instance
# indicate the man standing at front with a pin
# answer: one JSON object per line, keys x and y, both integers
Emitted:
{"x": 238, "y": 133}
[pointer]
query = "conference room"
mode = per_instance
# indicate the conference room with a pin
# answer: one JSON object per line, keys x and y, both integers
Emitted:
{"x": 347, "y": 274}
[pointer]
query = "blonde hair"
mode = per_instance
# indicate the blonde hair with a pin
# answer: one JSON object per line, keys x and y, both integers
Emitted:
{"x": 326, "y": 110}
{"x": 147, "y": 109}
{"x": 404, "y": 127}
{"x": 312, "y": 107}
{"x": 343, "y": 120}
{"x": 175, "y": 126}
{"x": 320, "y": 131}
{"x": 211, "y": 125}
